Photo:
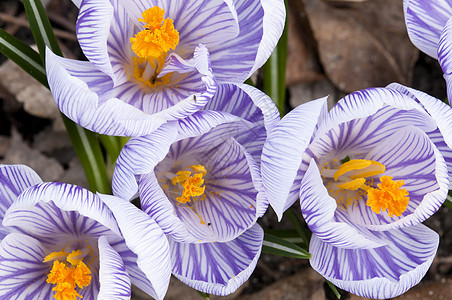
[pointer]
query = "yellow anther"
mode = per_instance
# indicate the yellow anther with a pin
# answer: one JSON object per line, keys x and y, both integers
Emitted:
{"x": 61, "y": 255}
{"x": 192, "y": 185}
{"x": 68, "y": 276}
{"x": 157, "y": 37}
{"x": 352, "y": 185}
{"x": 389, "y": 196}
{"x": 359, "y": 168}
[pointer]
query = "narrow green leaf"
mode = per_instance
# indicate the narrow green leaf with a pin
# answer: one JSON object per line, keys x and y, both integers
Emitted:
{"x": 204, "y": 295}
{"x": 290, "y": 235}
{"x": 41, "y": 28}
{"x": 23, "y": 55}
{"x": 334, "y": 289}
{"x": 278, "y": 246}
{"x": 299, "y": 227}
{"x": 112, "y": 145}
{"x": 275, "y": 73}
{"x": 448, "y": 201}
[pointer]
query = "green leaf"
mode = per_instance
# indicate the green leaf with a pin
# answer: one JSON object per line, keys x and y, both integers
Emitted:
{"x": 334, "y": 289}
{"x": 275, "y": 73}
{"x": 23, "y": 55}
{"x": 204, "y": 295}
{"x": 290, "y": 235}
{"x": 41, "y": 28}
{"x": 299, "y": 227}
{"x": 448, "y": 201}
{"x": 278, "y": 246}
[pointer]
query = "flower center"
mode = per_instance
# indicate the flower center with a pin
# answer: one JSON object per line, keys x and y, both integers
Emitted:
{"x": 68, "y": 272}
{"x": 157, "y": 37}
{"x": 192, "y": 185}
{"x": 151, "y": 45}
{"x": 389, "y": 196}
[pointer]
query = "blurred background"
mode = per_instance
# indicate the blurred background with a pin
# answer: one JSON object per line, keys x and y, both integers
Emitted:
{"x": 334, "y": 47}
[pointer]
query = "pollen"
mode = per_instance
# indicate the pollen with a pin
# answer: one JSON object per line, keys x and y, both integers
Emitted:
{"x": 68, "y": 276}
{"x": 389, "y": 196}
{"x": 157, "y": 37}
{"x": 191, "y": 184}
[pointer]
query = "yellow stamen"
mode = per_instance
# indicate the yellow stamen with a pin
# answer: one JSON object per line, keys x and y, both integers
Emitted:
{"x": 359, "y": 168}
{"x": 68, "y": 276}
{"x": 192, "y": 185}
{"x": 352, "y": 185}
{"x": 158, "y": 36}
{"x": 389, "y": 196}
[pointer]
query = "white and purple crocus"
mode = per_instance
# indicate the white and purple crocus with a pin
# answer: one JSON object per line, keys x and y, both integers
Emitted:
{"x": 199, "y": 179}
{"x": 367, "y": 173}
{"x": 429, "y": 25}
{"x": 60, "y": 241}
{"x": 150, "y": 62}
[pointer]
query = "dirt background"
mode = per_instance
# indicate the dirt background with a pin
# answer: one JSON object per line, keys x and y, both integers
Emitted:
{"x": 334, "y": 47}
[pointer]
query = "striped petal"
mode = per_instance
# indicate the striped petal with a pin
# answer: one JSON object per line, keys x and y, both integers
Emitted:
{"x": 144, "y": 237}
{"x": 217, "y": 268}
{"x": 13, "y": 181}
{"x": 113, "y": 277}
{"x": 22, "y": 271}
{"x": 365, "y": 103}
{"x": 93, "y": 24}
{"x": 282, "y": 152}
{"x": 424, "y": 21}
{"x": 274, "y": 20}
{"x": 444, "y": 48}
{"x": 76, "y": 100}
{"x": 49, "y": 210}
{"x": 378, "y": 273}
{"x": 319, "y": 210}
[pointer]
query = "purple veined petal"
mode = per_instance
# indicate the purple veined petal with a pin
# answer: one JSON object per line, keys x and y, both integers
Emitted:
{"x": 274, "y": 20}
{"x": 282, "y": 152}
{"x": 145, "y": 238}
{"x": 361, "y": 135}
{"x": 80, "y": 104}
{"x": 234, "y": 59}
{"x": 426, "y": 200}
{"x": 48, "y": 210}
{"x": 424, "y": 21}
{"x": 445, "y": 47}
{"x": 437, "y": 139}
{"x": 93, "y": 26}
{"x": 77, "y": 2}
{"x": 14, "y": 179}
{"x": 113, "y": 277}
{"x": 196, "y": 21}
{"x": 410, "y": 156}
{"x": 139, "y": 156}
{"x": 378, "y": 273}
{"x": 318, "y": 209}
{"x": 175, "y": 63}
{"x": 217, "y": 268}
{"x": 23, "y": 274}
{"x": 92, "y": 290}
{"x": 119, "y": 48}
{"x": 364, "y": 103}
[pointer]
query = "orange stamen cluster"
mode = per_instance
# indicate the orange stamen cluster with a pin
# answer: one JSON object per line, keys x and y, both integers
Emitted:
{"x": 192, "y": 185}
{"x": 157, "y": 37}
{"x": 69, "y": 276}
{"x": 389, "y": 196}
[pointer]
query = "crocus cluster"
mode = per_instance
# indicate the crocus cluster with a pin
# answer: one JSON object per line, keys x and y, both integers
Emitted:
{"x": 208, "y": 154}
{"x": 367, "y": 174}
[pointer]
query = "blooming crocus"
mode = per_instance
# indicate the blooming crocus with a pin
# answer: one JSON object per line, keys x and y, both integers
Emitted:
{"x": 429, "y": 25}
{"x": 367, "y": 173}
{"x": 149, "y": 63}
{"x": 60, "y": 241}
{"x": 199, "y": 178}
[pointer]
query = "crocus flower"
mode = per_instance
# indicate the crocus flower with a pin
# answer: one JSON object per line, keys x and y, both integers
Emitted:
{"x": 149, "y": 61}
{"x": 429, "y": 25}
{"x": 199, "y": 179}
{"x": 60, "y": 241}
{"x": 367, "y": 174}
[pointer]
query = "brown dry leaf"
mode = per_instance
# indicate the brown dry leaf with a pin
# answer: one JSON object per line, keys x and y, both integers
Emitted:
{"x": 362, "y": 44}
